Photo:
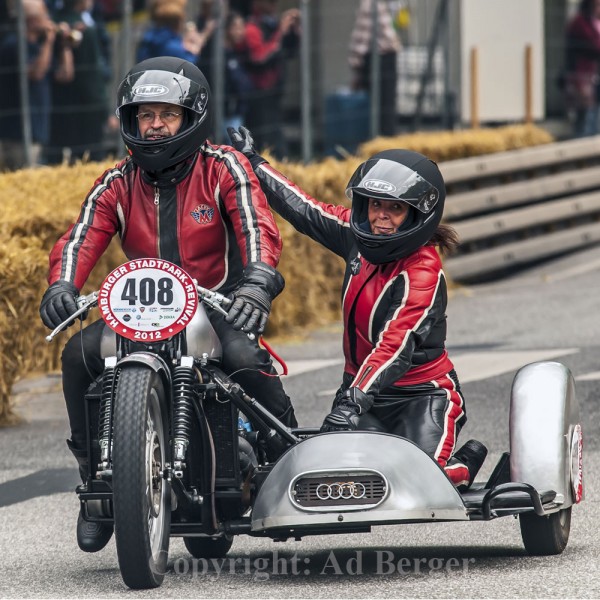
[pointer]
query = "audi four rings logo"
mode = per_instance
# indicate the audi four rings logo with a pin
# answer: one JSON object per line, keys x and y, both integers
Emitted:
{"x": 346, "y": 490}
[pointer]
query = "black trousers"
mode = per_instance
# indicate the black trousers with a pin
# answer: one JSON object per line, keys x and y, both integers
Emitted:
{"x": 243, "y": 359}
{"x": 430, "y": 414}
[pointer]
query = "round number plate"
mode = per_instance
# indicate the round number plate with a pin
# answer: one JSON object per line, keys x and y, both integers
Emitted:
{"x": 577, "y": 463}
{"x": 148, "y": 299}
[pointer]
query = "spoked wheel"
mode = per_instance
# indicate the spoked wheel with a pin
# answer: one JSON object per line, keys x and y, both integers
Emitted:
{"x": 207, "y": 547}
{"x": 545, "y": 535}
{"x": 141, "y": 497}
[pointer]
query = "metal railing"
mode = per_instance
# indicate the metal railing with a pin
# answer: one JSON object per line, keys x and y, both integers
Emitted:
{"x": 522, "y": 206}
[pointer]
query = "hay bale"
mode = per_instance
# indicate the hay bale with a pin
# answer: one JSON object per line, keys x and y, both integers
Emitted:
{"x": 450, "y": 145}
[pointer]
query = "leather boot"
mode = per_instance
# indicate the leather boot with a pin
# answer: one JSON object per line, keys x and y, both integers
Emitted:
{"x": 91, "y": 536}
{"x": 472, "y": 454}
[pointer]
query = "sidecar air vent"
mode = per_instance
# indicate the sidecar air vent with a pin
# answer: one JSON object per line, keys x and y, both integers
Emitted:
{"x": 344, "y": 491}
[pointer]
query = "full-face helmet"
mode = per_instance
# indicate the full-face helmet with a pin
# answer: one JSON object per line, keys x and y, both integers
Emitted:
{"x": 396, "y": 175}
{"x": 166, "y": 80}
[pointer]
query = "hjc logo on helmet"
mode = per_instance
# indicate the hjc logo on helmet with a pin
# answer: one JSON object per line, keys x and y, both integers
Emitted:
{"x": 378, "y": 185}
{"x": 151, "y": 90}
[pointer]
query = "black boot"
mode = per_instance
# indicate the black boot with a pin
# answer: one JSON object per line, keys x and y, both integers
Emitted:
{"x": 91, "y": 536}
{"x": 471, "y": 454}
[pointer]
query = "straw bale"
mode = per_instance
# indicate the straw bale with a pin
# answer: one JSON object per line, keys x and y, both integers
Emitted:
{"x": 450, "y": 145}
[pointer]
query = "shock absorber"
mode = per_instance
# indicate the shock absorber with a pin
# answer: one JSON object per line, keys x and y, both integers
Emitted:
{"x": 183, "y": 385}
{"x": 105, "y": 415}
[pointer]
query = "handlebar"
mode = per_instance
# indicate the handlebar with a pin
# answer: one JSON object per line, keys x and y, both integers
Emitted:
{"x": 84, "y": 303}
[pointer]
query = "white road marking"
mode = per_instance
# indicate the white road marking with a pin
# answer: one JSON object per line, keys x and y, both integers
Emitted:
{"x": 475, "y": 366}
{"x": 593, "y": 376}
{"x": 296, "y": 367}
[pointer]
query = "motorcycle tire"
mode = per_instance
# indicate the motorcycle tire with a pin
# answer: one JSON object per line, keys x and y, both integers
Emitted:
{"x": 141, "y": 496}
{"x": 545, "y": 535}
{"x": 206, "y": 547}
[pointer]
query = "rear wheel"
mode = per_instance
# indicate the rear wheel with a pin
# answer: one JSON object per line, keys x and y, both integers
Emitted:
{"x": 207, "y": 547}
{"x": 545, "y": 535}
{"x": 141, "y": 497}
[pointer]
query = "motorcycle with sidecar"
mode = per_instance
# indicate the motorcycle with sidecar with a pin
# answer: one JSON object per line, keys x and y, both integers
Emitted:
{"x": 177, "y": 448}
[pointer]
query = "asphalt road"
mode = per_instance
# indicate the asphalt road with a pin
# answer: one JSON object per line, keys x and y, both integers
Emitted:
{"x": 545, "y": 313}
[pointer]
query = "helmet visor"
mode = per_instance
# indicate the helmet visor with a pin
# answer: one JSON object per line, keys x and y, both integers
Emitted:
{"x": 149, "y": 87}
{"x": 388, "y": 180}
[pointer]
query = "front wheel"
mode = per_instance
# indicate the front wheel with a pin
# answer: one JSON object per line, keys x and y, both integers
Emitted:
{"x": 545, "y": 535}
{"x": 141, "y": 496}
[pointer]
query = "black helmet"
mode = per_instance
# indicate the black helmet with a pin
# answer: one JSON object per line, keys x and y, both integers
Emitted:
{"x": 172, "y": 81}
{"x": 396, "y": 175}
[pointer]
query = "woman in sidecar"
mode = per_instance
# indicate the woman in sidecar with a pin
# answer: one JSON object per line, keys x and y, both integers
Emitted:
{"x": 398, "y": 377}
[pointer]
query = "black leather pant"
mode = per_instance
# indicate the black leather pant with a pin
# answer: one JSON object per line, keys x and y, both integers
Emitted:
{"x": 430, "y": 416}
{"x": 243, "y": 359}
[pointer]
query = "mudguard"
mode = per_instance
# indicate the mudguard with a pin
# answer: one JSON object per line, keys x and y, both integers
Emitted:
{"x": 155, "y": 362}
{"x": 405, "y": 484}
{"x": 545, "y": 431}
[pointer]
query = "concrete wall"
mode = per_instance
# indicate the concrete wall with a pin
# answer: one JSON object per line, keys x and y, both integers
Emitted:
{"x": 500, "y": 32}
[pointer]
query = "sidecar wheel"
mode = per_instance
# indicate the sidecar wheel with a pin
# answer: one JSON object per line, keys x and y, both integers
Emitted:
{"x": 206, "y": 547}
{"x": 545, "y": 535}
{"x": 141, "y": 496}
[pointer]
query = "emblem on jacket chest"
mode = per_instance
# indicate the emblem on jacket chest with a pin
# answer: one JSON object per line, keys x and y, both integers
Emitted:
{"x": 203, "y": 214}
{"x": 355, "y": 266}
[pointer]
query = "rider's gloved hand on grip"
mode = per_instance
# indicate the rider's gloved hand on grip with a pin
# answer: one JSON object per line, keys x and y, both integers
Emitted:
{"x": 241, "y": 140}
{"x": 252, "y": 300}
{"x": 347, "y": 409}
{"x": 58, "y": 303}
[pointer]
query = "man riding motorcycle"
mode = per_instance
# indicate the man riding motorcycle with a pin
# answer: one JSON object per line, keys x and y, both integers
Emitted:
{"x": 183, "y": 199}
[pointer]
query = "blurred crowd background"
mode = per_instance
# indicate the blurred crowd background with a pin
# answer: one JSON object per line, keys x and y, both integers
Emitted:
{"x": 308, "y": 77}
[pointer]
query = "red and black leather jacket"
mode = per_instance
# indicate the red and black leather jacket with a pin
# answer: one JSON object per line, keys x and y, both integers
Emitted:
{"x": 394, "y": 313}
{"x": 213, "y": 220}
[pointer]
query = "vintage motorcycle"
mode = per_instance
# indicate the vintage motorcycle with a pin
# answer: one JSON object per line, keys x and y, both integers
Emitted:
{"x": 176, "y": 448}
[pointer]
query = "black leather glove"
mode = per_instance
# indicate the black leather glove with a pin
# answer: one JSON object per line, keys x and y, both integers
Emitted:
{"x": 252, "y": 300}
{"x": 58, "y": 303}
{"x": 241, "y": 140}
{"x": 347, "y": 409}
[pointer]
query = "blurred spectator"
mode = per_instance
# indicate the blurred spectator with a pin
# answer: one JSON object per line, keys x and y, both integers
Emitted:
{"x": 169, "y": 35}
{"x": 583, "y": 68}
{"x": 79, "y": 105}
{"x": 269, "y": 41}
{"x": 41, "y": 33}
{"x": 388, "y": 47}
{"x": 238, "y": 86}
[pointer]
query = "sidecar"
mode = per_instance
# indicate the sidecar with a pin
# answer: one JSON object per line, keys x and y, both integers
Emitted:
{"x": 349, "y": 481}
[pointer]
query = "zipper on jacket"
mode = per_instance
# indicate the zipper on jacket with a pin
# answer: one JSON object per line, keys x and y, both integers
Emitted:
{"x": 157, "y": 205}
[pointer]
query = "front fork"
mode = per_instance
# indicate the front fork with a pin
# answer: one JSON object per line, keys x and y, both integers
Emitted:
{"x": 106, "y": 415}
{"x": 184, "y": 379}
